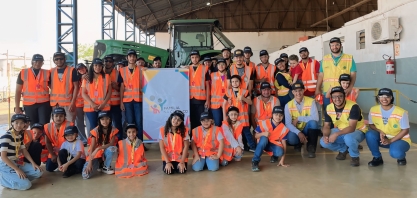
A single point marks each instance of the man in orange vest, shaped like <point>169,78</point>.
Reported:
<point>308,70</point>
<point>238,68</point>
<point>262,105</point>
<point>247,53</point>
<point>32,85</point>
<point>226,53</point>
<point>64,86</point>
<point>115,111</point>
<point>265,72</point>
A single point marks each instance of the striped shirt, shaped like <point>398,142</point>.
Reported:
<point>8,144</point>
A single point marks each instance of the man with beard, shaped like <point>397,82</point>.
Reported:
<point>238,68</point>
<point>265,72</point>
<point>262,105</point>
<point>308,70</point>
<point>226,54</point>
<point>332,66</point>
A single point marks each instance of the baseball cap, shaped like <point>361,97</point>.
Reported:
<point>59,110</point>
<point>221,60</point>
<point>59,54</point>
<point>337,89</point>
<point>278,60</point>
<point>283,55</point>
<point>263,52</point>
<point>248,50</point>
<point>97,61</point>
<point>121,63</point>
<point>37,57</point>
<point>385,91</point>
<point>131,126</point>
<point>278,109</point>
<point>265,85</point>
<point>303,49</point>
<point>206,59</point>
<point>194,52</point>
<point>69,130</point>
<point>335,39</point>
<point>344,77</point>
<point>18,117</point>
<point>37,126</point>
<point>205,115</point>
<point>238,52</point>
<point>297,85</point>
<point>132,51</point>
<point>233,108</point>
<point>103,114</point>
<point>79,65</point>
<point>179,114</point>
<point>108,56</point>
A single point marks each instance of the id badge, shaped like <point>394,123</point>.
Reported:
<point>38,87</point>
<point>96,93</point>
<point>223,91</point>
<point>173,157</point>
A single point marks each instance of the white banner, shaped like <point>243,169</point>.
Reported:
<point>164,91</point>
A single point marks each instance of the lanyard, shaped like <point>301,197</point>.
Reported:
<point>236,97</point>
<point>206,139</point>
<point>132,151</point>
<point>338,61</point>
<point>72,150</point>
<point>17,143</point>
<point>194,73</point>
<point>37,77</point>
<point>173,141</point>
<point>266,107</point>
<point>131,77</point>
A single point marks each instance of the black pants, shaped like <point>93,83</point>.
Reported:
<point>174,169</point>
<point>195,112</point>
<point>74,168</point>
<point>39,112</point>
<point>35,151</point>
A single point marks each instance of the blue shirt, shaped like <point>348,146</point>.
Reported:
<point>74,147</point>
<point>288,122</point>
<point>258,129</point>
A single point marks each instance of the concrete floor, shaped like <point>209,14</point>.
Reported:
<point>320,177</point>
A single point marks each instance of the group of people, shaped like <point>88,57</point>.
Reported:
<point>280,102</point>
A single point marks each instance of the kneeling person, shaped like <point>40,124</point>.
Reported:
<point>71,157</point>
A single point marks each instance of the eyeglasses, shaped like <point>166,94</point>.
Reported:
<point>337,97</point>
<point>58,59</point>
<point>384,97</point>
<point>109,61</point>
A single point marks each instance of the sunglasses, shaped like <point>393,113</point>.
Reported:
<point>58,59</point>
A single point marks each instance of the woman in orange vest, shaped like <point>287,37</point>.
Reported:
<point>344,81</point>
<point>102,143</point>
<point>232,131</point>
<point>271,135</point>
<point>218,89</point>
<point>79,104</point>
<point>283,82</point>
<point>173,143</point>
<point>96,92</point>
<point>207,144</point>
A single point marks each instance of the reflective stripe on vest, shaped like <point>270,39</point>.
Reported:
<point>61,90</point>
<point>282,90</point>
<point>309,76</point>
<point>343,121</point>
<point>79,102</point>
<point>133,92</point>
<point>305,111</point>
<point>115,95</point>
<point>212,148</point>
<point>227,149</point>
<point>267,73</point>
<point>176,154</point>
<point>218,89</point>
<point>331,72</point>
<point>244,83</point>
<point>277,134</point>
<point>124,167</point>
<point>198,82</point>
<point>242,106</point>
<point>33,92</point>
<point>262,113</point>
<point>56,136</point>
<point>27,137</point>
<point>101,93</point>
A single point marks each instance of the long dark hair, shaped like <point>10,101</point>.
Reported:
<point>91,73</point>
<point>229,122</point>
<point>168,126</point>
<point>81,75</point>
<point>101,133</point>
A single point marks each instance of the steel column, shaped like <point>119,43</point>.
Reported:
<point>107,20</point>
<point>130,27</point>
<point>66,25</point>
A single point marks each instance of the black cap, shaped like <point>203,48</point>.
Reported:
<point>221,60</point>
<point>297,85</point>
<point>103,114</point>
<point>37,57</point>
<point>131,51</point>
<point>206,59</point>
<point>303,49</point>
<point>121,63</point>
<point>206,115</point>
<point>385,91</point>
<point>232,108</point>
<point>97,61</point>
<point>278,60</point>
<point>28,118</point>
<point>141,58</point>
<point>18,117</point>
<point>263,52</point>
<point>179,114</point>
<point>194,52</point>
<point>226,48</point>
<point>37,126</point>
<point>335,39</point>
<point>337,89</point>
<point>238,52</point>
<point>59,110</point>
<point>214,58</point>
<point>265,85</point>
<point>131,126</point>
<point>247,49</point>
<point>283,55</point>
<point>69,130</point>
<point>79,65</point>
<point>278,109</point>
<point>59,54</point>
<point>108,56</point>
<point>344,77</point>
<point>157,59</point>
<point>236,76</point>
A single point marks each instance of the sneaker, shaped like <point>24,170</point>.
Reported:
<point>68,173</point>
<point>252,150</point>
<point>274,159</point>
<point>342,156</point>
<point>100,167</point>
<point>354,161</point>
<point>56,170</point>
<point>108,170</point>
<point>376,161</point>
<point>402,162</point>
<point>255,166</point>
<point>360,146</point>
<point>311,151</point>
<point>298,147</point>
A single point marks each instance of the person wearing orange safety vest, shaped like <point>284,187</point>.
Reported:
<point>265,72</point>
<point>174,141</point>
<point>282,82</point>
<point>207,143</point>
<point>226,54</point>
<point>344,81</point>
<point>349,124</point>
<point>218,89</point>
<point>308,70</point>
<point>64,86</point>
<point>131,161</point>
<point>389,128</point>
<point>332,66</point>
<point>245,72</point>
<point>115,111</point>
<point>32,86</point>
<point>80,117</point>
<point>34,148</point>
<point>247,53</point>
<point>271,135</point>
<point>232,132</point>
<point>39,137</point>
<point>54,133</point>
<point>262,105</point>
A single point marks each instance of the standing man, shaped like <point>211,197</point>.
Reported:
<point>157,62</point>
<point>332,66</point>
<point>227,53</point>
<point>32,85</point>
<point>247,52</point>
<point>115,111</point>
<point>263,104</point>
<point>302,120</point>
<point>349,124</point>
<point>238,68</point>
<point>64,86</point>
<point>309,71</point>
<point>265,72</point>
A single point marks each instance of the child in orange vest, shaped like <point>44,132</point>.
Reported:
<point>34,148</point>
<point>173,143</point>
<point>39,136</point>
<point>71,157</point>
<point>207,143</point>
<point>131,161</point>
<point>102,143</point>
<point>344,81</point>
<point>232,129</point>
<point>271,135</point>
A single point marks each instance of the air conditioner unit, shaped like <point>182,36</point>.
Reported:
<point>385,30</point>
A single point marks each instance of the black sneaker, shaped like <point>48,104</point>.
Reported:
<point>274,159</point>
<point>342,156</point>
<point>360,146</point>
<point>402,162</point>
<point>376,161</point>
<point>354,161</point>
<point>298,147</point>
<point>255,166</point>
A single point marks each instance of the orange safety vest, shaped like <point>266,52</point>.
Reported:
<point>251,65</point>
<point>218,89</point>
<point>309,76</point>
<point>264,110</point>
<point>79,102</point>
<point>61,89</point>
<point>94,133</point>
<point>198,82</point>
<point>174,145</point>
<point>237,131</point>
<point>268,74</point>
<point>132,84</point>
<point>130,164</point>
<point>242,106</point>
<point>228,150</point>
<point>56,136</point>
<point>209,145</point>
<point>97,91</point>
<point>115,95</point>
<point>28,137</point>
<point>35,89</point>
<point>276,135</point>
<point>245,78</point>
<point>350,96</point>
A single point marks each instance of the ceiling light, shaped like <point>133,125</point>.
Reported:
<point>208,3</point>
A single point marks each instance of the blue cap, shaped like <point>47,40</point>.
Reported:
<point>59,110</point>
<point>37,57</point>
<point>132,51</point>
<point>278,109</point>
<point>69,130</point>
<point>37,126</point>
<point>19,117</point>
<point>195,52</point>
<point>205,115</point>
<point>97,61</point>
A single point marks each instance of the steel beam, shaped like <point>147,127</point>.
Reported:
<point>130,27</point>
<point>66,32</point>
<point>107,20</point>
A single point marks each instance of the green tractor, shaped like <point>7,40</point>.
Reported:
<point>185,36</point>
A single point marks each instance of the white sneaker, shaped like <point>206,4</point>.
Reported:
<point>56,170</point>
<point>108,171</point>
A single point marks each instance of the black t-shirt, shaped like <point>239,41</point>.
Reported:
<point>19,80</point>
<point>75,77</point>
<point>354,114</point>
<point>227,98</point>
<point>119,77</point>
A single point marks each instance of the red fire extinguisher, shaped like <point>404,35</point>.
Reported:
<point>390,66</point>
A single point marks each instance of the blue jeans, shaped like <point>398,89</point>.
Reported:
<point>212,165</point>
<point>326,101</point>
<point>108,157</point>
<point>51,166</point>
<point>249,137</point>
<point>92,119</point>
<point>265,145</point>
<point>293,138</point>
<point>217,116</point>
<point>283,100</point>
<point>9,178</point>
<point>397,149</point>
<point>134,116</point>
<point>79,122</point>
<point>350,140</point>
<point>116,117</point>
